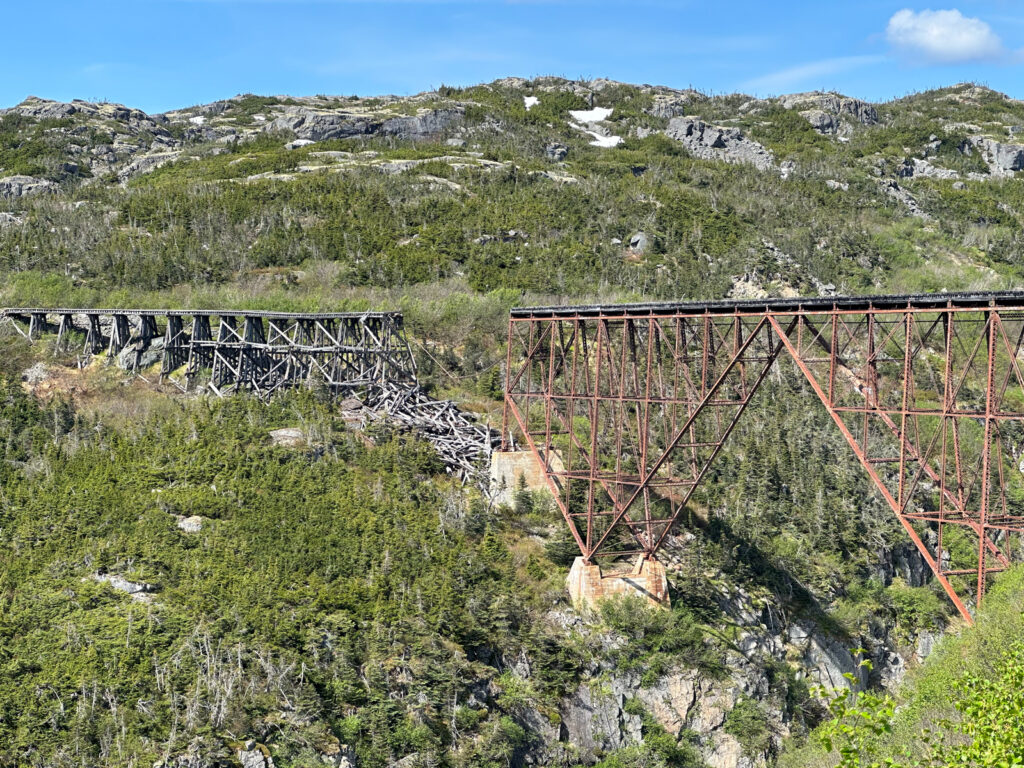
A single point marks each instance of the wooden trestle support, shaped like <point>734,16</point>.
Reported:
<point>351,354</point>
<point>626,408</point>
<point>257,351</point>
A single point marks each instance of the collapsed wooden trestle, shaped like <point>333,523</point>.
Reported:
<point>360,354</point>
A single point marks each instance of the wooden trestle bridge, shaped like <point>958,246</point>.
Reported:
<point>627,406</point>
<point>351,354</point>
<point>253,350</point>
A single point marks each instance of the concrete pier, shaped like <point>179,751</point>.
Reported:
<point>588,586</point>
<point>507,467</point>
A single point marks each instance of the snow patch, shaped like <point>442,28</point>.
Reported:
<point>595,115</point>
<point>599,140</point>
<point>197,120</point>
<point>530,101</point>
<point>590,116</point>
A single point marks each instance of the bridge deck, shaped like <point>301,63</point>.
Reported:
<point>924,301</point>
<point>269,314</point>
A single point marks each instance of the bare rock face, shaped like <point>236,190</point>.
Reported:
<point>669,105</point>
<point>826,111</point>
<point>711,142</point>
<point>23,186</point>
<point>827,660</point>
<point>821,121</point>
<point>1003,159</point>
<point>429,122</point>
<point>671,699</point>
<point>145,164</point>
<point>594,719</point>
<point>319,125</point>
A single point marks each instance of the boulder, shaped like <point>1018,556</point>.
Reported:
<point>667,106</point>
<point>137,590</point>
<point>638,242</point>
<point>23,186</point>
<point>821,121</point>
<point>192,524</point>
<point>36,374</point>
<point>897,193</point>
<point>255,756</point>
<point>556,152</point>
<point>141,354</point>
<point>290,437</point>
<point>343,757</point>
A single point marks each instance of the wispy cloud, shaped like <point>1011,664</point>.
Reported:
<point>942,37</point>
<point>804,74</point>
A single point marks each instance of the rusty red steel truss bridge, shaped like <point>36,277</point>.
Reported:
<point>627,406</point>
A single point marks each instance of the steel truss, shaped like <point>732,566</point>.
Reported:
<point>241,350</point>
<point>626,407</point>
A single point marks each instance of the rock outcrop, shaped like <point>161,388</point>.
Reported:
<point>900,195</point>
<point>711,142</point>
<point>321,125</point>
<point>827,112</point>
<point>145,164</point>
<point>1003,159</point>
<point>23,186</point>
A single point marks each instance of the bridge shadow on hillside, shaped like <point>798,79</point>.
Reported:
<point>747,563</point>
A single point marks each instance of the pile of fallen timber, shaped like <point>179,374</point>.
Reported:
<point>464,446</point>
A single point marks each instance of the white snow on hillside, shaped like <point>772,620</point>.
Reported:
<point>595,115</point>
<point>590,116</point>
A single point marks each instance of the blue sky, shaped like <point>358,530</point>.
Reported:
<point>162,54</point>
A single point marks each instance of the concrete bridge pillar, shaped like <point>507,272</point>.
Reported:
<point>509,467</point>
<point>646,579</point>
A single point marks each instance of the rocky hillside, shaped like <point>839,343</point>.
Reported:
<point>432,627</point>
<point>549,186</point>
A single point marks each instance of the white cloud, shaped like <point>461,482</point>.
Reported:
<point>802,74</point>
<point>944,37</point>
